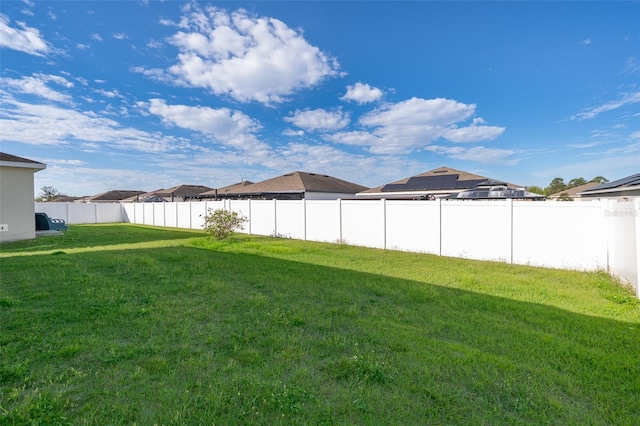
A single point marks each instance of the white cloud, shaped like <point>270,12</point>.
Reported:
<point>226,126</point>
<point>362,93</point>
<point>96,36</point>
<point>404,126</point>
<point>319,120</point>
<point>245,57</point>
<point>586,41</point>
<point>81,46</point>
<point>40,124</point>
<point>477,153</point>
<point>109,93</point>
<point>67,162</point>
<point>24,39</point>
<point>291,132</point>
<point>120,36</point>
<point>37,85</point>
<point>472,133</point>
<point>625,99</point>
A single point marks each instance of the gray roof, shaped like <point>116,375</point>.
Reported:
<point>299,182</point>
<point>440,179</point>
<point>114,195</point>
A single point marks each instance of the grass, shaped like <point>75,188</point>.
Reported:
<point>123,324</point>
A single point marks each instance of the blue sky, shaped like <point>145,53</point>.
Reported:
<point>147,95</point>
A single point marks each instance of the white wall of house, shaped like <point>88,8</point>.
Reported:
<point>598,235</point>
<point>17,214</point>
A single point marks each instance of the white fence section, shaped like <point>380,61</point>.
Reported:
<point>585,235</point>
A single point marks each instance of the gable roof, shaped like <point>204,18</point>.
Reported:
<point>182,190</point>
<point>573,192</point>
<point>442,180</point>
<point>114,195</point>
<point>9,160</point>
<point>299,182</point>
<point>229,189</point>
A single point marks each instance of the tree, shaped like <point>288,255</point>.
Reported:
<point>564,197</point>
<point>556,185</point>
<point>48,193</point>
<point>599,179</point>
<point>576,182</point>
<point>535,189</point>
<point>221,224</point>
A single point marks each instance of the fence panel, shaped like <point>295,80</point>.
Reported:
<point>476,229</point>
<point>148,212</point>
<point>183,215</point>
<point>290,219</point>
<point>560,234</point>
<point>363,223</point>
<point>198,212</point>
<point>263,217</point>
<point>624,224</point>
<point>323,220</point>
<point>413,226</point>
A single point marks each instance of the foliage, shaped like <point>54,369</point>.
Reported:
<point>564,197</point>
<point>558,185</point>
<point>221,224</point>
<point>536,189</point>
<point>576,182</point>
<point>140,325</point>
<point>48,193</point>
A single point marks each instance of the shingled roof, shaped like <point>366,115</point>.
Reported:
<point>113,196</point>
<point>443,180</point>
<point>301,182</point>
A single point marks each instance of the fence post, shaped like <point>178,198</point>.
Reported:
<point>340,219</point>
<point>439,207</point>
<point>510,213</point>
<point>636,215</point>
<point>275,218</point>
<point>249,216</point>
<point>304,218</point>
<point>384,223</point>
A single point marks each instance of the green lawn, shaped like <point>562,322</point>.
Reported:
<point>124,324</point>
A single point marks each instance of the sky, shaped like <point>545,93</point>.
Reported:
<point>144,95</point>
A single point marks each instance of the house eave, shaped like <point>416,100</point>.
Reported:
<point>36,166</point>
<point>605,191</point>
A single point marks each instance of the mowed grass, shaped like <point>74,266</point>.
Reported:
<point>123,324</point>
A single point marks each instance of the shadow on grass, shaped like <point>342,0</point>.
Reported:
<point>185,335</point>
<point>84,236</point>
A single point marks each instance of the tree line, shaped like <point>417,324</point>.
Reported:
<point>558,185</point>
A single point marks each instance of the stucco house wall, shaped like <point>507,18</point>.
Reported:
<point>17,210</point>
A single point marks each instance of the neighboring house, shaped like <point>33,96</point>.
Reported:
<point>299,185</point>
<point>176,193</point>
<point>226,192</point>
<point>17,208</point>
<point>621,189</point>
<point>433,184</point>
<point>571,194</point>
<point>114,196</point>
<point>68,199</point>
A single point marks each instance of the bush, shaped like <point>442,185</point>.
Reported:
<point>221,224</point>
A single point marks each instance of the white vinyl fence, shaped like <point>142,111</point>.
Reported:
<point>580,235</point>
